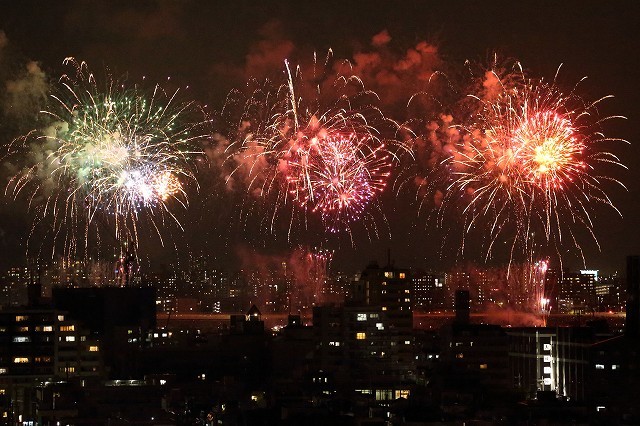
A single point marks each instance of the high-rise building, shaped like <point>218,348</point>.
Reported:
<point>39,345</point>
<point>391,289</point>
<point>632,324</point>
<point>576,291</point>
<point>429,291</point>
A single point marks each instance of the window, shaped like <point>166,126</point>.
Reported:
<point>21,339</point>
<point>47,328</point>
<point>483,366</point>
<point>3,371</point>
<point>547,370</point>
<point>547,381</point>
<point>407,342</point>
<point>388,274</point>
<point>20,360</point>
<point>402,393</point>
<point>599,367</point>
<point>459,356</point>
<point>334,343</point>
<point>21,318</point>
<point>379,326</point>
<point>60,317</point>
<point>93,349</point>
<point>384,308</point>
<point>547,358</point>
<point>402,275</point>
<point>361,335</point>
<point>546,347</point>
<point>383,395</point>
<point>615,367</point>
<point>407,300</point>
<point>361,317</point>
<point>373,315</point>
<point>24,328</point>
<point>67,369</point>
<point>407,291</point>
<point>67,328</point>
<point>70,338</point>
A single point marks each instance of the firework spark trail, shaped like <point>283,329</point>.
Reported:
<point>321,153</point>
<point>530,162</point>
<point>112,156</point>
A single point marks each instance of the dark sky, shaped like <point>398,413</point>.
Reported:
<point>213,46</point>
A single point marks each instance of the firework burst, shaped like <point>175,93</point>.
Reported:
<point>316,146</point>
<point>531,162</point>
<point>111,156</point>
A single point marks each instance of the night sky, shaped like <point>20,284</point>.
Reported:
<point>216,46</point>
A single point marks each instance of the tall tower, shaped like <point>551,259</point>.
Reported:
<point>632,323</point>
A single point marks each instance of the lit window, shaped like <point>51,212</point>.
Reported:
<point>407,291</point>
<point>67,328</point>
<point>93,349</point>
<point>42,359</point>
<point>615,367</point>
<point>547,381</point>
<point>361,336</point>
<point>3,371</point>
<point>21,339</point>
<point>407,342</point>
<point>403,393</point>
<point>379,326</point>
<point>361,317</point>
<point>67,369</point>
<point>47,328</point>
<point>60,317</point>
<point>388,274</point>
<point>599,367</point>
<point>383,394</point>
<point>25,328</point>
<point>373,315</point>
<point>334,343</point>
<point>20,360</point>
<point>483,366</point>
<point>402,275</point>
<point>547,358</point>
<point>2,391</point>
<point>547,370</point>
<point>21,318</point>
<point>459,356</point>
<point>384,308</point>
<point>407,300</point>
<point>546,347</point>
<point>70,338</point>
